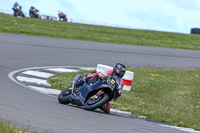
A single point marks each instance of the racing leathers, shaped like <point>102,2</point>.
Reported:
<point>16,5</point>
<point>31,11</point>
<point>63,16</point>
<point>16,8</point>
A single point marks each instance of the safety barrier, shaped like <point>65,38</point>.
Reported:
<point>128,77</point>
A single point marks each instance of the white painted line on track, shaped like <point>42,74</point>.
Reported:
<point>33,80</point>
<point>118,111</point>
<point>38,74</point>
<point>62,70</point>
<point>88,68</point>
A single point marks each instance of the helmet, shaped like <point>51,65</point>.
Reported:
<point>119,70</point>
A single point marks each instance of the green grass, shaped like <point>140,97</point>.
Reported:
<point>167,95</point>
<point>48,28</point>
<point>7,128</point>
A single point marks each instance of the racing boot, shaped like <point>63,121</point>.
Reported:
<point>106,107</point>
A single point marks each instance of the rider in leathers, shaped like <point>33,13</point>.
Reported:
<point>61,15</point>
<point>16,8</point>
<point>118,72</point>
<point>16,5</point>
<point>31,11</point>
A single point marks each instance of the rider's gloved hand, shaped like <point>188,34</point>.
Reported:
<point>81,82</point>
<point>84,79</point>
<point>101,76</point>
<point>78,83</point>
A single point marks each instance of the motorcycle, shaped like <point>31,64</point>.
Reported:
<point>34,13</point>
<point>92,95</point>
<point>18,12</point>
<point>62,16</point>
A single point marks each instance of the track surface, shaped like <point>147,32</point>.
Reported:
<point>42,113</point>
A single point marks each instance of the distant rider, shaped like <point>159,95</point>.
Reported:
<point>17,10</point>
<point>16,5</point>
<point>31,11</point>
<point>118,72</point>
<point>62,16</point>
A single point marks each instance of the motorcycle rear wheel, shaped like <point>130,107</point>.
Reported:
<point>64,96</point>
<point>92,104</point>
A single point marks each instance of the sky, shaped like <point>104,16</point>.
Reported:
<point>177,16</point>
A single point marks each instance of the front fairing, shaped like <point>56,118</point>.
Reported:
<point>80,95</point>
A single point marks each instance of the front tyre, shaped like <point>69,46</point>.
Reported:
<point>64,96</point>
<point>96,102</point>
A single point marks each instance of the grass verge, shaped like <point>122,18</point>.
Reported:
<point>48,28</point>
<point>167,95</point>
<point>6,128</point>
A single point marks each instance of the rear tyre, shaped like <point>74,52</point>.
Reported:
<point>64,96</point>
<point>92,103</point>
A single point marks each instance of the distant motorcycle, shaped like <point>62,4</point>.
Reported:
<point>18,12</point>
<point>92,95</point>
<point>62,16</point>
<point>34,13</point>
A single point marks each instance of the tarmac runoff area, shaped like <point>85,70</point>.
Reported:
<point>36,79</point>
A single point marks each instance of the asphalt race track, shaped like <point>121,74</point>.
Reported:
<point>42,113</point>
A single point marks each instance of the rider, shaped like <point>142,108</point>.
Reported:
<point>31,11</point>
<point>118,72</point>
<point>16,5</point>
<point>61,15</point>
<point>16,8</point>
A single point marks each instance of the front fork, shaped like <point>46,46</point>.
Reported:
<point>73,86</point>
<point>100,92</point>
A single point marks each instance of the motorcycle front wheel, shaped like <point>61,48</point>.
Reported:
<point>64,96</point>
<point>96,102</point>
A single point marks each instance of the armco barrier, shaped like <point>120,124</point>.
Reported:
<point>128,77</point>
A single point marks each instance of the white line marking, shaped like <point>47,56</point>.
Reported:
<point>62,70</point>
<point>69,70</point>
<point>38,74</point>
<point>33,80</point>
<point>118,111</point>
<point>88,68</point>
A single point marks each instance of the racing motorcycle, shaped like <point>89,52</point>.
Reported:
<point>34,13</point>
<point>92,95</point>
<point>18,12</point>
